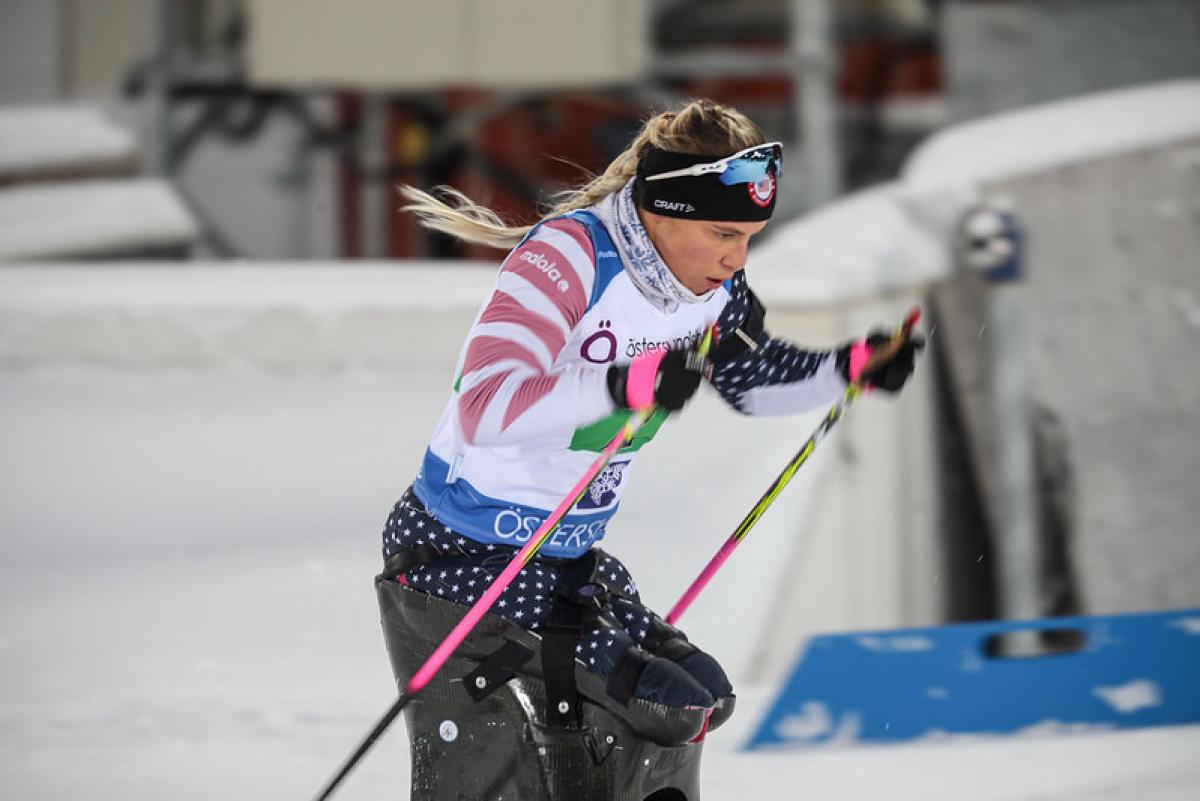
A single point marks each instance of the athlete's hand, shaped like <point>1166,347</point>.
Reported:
<point>667,378</point>
<point>890,375</point>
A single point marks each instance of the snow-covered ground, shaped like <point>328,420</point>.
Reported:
<point>186,607</point>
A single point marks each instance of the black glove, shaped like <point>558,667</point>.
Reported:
<point>888,376</point>
<point>668,379</point>
<point>731,344</point>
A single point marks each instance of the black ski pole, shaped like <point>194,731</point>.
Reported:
<point>384,722</point>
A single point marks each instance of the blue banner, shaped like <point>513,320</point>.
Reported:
<point>1116,671</point>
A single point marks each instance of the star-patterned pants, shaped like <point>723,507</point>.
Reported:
<point>467,568</point>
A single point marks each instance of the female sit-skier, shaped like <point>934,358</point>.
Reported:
<point>598,310</point>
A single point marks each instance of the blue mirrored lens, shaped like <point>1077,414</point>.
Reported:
<point>744,172</point>
<point>752,167</point>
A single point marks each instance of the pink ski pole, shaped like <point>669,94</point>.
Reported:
<point>460,631</point>
<point>438,658</point>
<point>852,392</point>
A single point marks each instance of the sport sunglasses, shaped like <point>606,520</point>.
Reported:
<point>747,166</point>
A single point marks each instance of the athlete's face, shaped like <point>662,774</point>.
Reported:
<point>701,253</point>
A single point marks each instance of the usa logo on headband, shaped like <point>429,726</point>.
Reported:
<point>763,191</point>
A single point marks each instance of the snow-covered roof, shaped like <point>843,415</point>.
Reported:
<point>57,139</point>
<point>91,218</point>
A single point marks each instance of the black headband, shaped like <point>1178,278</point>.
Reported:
<point>699,197</point>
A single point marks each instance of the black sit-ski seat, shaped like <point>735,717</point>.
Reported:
<point>483,729</point>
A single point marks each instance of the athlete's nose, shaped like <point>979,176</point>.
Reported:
<point>737,259</point>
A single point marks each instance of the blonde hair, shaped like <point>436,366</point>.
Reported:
<point>701,127</point>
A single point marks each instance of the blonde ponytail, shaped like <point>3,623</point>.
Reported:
<point>700,127</point>
<point>462,218</point>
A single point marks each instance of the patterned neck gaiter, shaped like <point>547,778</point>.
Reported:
<point>646,268</point>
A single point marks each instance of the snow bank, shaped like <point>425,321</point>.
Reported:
<point>278,316</point>
<point>1051,135</point>
<point>898,235</point>
<point>864,244</point>
<point>58,139</point>
<point>92,218</point>
<point>950,169</point>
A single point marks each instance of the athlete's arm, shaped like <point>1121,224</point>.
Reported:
<point>508,390</point>
<point>760,375</point>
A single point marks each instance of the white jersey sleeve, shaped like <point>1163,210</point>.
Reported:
<point>511,389</point>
